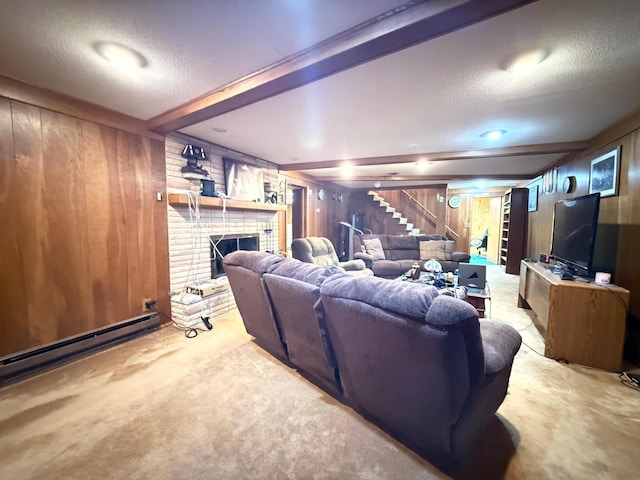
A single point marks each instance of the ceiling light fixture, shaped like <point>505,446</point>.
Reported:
<point>493,134</point>
<point>526,61</point>
<point>219,129</point>
<point>346,170</point>
<point>120,55</point>
<point>377,184</point>
<point>421,164</point>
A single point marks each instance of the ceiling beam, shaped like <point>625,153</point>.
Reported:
<point>409,178</point>
<point>517,151</point>
<point>407,25</point>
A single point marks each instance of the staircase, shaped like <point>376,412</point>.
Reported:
<point>394,214</point>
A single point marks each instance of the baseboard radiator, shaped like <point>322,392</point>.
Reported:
<point>27,362</point>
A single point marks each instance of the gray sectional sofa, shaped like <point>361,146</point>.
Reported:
<point>420,365</point>
<point>402,251</point>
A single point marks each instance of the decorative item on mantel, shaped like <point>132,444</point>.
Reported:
<point>193,170</point>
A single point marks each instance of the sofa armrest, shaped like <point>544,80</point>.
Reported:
<point>500,343</point>
<point>460,257</point>
<point>353,265</point>
<point>365,257</point>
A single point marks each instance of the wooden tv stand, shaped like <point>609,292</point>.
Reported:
<point>583,322</point>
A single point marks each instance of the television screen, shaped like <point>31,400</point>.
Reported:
<point>574,231</point>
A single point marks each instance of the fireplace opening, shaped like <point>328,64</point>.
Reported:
<point>221,245</point>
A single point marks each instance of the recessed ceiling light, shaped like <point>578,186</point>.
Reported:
<point>346,170</point>
<point>493,134</point>
<point>526,61</point>
<point>219,129</point>
<point>377,184</point>
<point>120,55</point>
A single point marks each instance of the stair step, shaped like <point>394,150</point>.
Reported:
<point>390,209</point>
<point>402,220</point>
<point>384,204</point>
<point>415,231</point>
<point>409,226</point>
<point>396,215</point>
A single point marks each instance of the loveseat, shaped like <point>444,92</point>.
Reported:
<point>395,254</point>
<point>420,365</point>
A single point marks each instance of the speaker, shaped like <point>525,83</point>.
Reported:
<point>209,188</point>
<point>544,258</point>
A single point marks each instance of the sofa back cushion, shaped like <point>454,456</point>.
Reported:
<point>403,247</point>
<point>245,270</point>
<point>294,289</point>
<point>396,361</point>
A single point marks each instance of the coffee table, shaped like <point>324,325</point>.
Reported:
<point>476,298</point>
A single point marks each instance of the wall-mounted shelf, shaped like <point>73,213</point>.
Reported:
<point>211,202</point>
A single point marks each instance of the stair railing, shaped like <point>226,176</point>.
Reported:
<point>433,216</point>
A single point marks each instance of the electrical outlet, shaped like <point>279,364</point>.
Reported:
<point>144,303</point>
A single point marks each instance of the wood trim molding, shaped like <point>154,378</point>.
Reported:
<point>409,178</point>
<point>409,24</point>
<point>521,150</point>
<point>181,199</point>
<point>57,102</point>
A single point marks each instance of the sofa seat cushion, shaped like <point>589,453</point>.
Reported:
<point>391,268</point>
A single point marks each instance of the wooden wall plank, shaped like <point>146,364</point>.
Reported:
<point>98,148</point>
<point>14,326</point>
<point>33,229</point>
<point>126,158</point>
<point>159,229</point>
<point>66,216</point>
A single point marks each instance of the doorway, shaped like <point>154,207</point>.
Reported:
<point>485,229</point>
<point>296,221</point>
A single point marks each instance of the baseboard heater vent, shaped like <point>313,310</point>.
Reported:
<point>17,365</point>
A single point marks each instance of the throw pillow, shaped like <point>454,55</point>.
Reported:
<point>374,248</point>
<point>449,248</point>
<point>432,249</point>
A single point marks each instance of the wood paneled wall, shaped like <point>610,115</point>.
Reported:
<point>621,211</point>
<point>83,239</point>
<point>322,217</point>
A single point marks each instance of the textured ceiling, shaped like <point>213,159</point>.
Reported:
<point>437,96</point>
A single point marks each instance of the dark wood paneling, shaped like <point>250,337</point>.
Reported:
<point>63,203</point>
<point>85,239</point>
<point>622,211</point>
<point>13,294</point>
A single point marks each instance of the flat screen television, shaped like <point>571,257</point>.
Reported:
<point>575,224</point>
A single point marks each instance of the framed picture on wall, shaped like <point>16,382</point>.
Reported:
<point>605,173</point>
<point>533,198</point>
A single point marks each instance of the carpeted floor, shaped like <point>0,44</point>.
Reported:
<point>218,407</point>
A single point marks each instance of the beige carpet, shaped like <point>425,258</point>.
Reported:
<point>218,407</point>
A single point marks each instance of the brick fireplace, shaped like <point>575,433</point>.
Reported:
<point>191,238</point>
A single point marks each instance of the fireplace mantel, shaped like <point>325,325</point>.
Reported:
<point>210,202</point>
